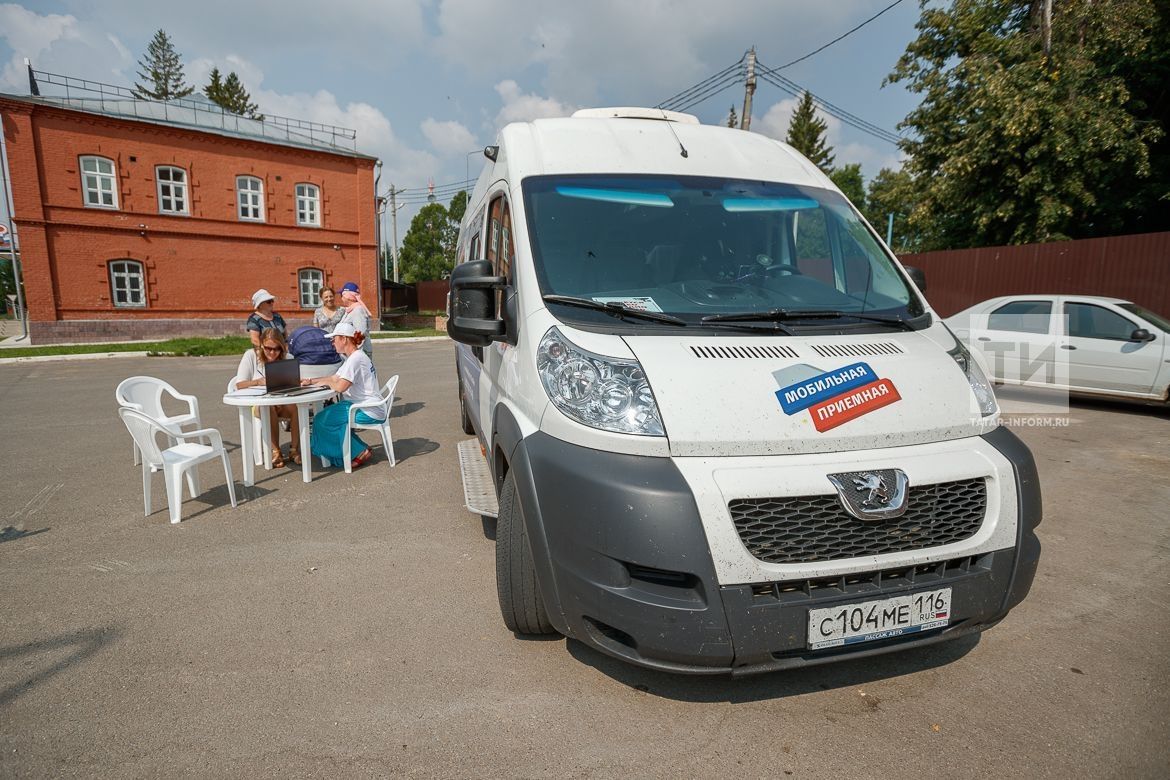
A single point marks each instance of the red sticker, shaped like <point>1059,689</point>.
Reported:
<point>863,400</point>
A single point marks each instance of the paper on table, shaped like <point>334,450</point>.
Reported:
<point>248,391</point>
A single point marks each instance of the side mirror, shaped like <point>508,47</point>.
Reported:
<point>1141,335</point>
<point>917,276</point>
<point>472,317</point>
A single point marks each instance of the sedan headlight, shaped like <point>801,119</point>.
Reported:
<point>980,387</point>
<point>602,392</point>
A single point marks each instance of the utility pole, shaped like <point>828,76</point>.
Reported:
<point>749,88</point>
<point>394,227</point>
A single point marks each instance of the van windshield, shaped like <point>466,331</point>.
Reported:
<point>694,247</point>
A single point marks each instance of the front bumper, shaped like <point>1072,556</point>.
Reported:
<point>624,565</point>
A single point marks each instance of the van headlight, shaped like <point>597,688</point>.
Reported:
<point>980,387</point>
<point>602,392</point>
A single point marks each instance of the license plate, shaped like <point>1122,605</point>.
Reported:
<point>867,621</point>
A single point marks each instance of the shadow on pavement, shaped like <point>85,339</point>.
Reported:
<point>404,449</point>
<point>401,410</point>
<point>84,643</point>
<point>776,685</point>
<point>12,533</point>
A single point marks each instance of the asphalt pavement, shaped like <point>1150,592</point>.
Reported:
<point>349,627</point>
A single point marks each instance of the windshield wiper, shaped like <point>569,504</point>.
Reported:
<point>615,308</point>
<point>788,315</point>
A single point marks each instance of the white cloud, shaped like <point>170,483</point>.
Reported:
<point>524,107</point>
<point>448,138</point>
<point>57,43</point>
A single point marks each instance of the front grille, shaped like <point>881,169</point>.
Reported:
<point>804,529</point>
<point>765,351</point>
<point>857,350</point>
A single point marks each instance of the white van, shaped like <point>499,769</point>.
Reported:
<point>726,431</point>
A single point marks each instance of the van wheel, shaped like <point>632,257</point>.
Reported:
<point>464,417</point>
<point>520,600</point>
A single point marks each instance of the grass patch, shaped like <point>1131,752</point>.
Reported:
<point>185,347</point>
<point>228,345</point>
<point>401,334</point>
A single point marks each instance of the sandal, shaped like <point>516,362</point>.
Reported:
<point>360,459</point>
<point>277,459</point>
<point>295,456</point>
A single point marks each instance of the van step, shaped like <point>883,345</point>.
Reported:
<point>479,491</point>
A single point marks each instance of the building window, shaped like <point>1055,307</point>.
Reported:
<point>311,280</point>
<point>127,284</point>
<point>250,198</point>
<point>172,189</point>
<point>309,205</point>
<point>99,183</point>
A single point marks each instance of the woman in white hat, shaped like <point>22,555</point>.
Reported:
<point>357,381</point>
<point>263,317</point>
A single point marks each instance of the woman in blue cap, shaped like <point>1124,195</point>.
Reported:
<point>358,314</point>
<point>357,382</point>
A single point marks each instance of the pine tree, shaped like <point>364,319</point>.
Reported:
<point>162,71</point>
<point>732,118</point>
<point>230,94</point>
<point>806,134</point>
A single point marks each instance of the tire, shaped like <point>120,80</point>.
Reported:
<point>520,601</point>
<point>464,417</point>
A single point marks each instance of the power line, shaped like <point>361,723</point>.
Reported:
<point>686,93</point>
<point>839,37</point>
<point>710,92</point>
<point>796,90</point>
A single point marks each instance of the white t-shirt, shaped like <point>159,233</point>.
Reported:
<point>358,369</point>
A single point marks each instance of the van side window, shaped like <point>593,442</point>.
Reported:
<point>500,247</point>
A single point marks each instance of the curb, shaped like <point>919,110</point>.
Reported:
<point>54,358</point>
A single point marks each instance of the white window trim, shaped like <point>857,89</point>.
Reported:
<point>141,274</point>
<point>259,195</point>
<point>315,200</point>
<point>113,178</point>
<point>186,192</point>
<point>301,278</point>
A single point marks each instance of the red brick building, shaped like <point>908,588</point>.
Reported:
<point>140,219</point>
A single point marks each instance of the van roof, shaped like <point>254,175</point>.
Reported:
<point>598,142</point>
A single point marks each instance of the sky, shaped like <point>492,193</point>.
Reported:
<point>427,83</point>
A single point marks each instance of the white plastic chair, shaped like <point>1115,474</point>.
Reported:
<point>176,461</point>
<point>382,427</point>
<point>144,394</point>
<point>257,431</point>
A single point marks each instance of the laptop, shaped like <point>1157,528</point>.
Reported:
<point>283,377</point>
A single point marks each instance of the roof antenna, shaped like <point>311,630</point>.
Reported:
<point>682,150</point>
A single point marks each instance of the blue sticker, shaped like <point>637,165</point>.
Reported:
<point>809,392</point>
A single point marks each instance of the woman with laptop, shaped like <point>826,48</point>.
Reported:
<point>251,373</point>
<point>357,382</point>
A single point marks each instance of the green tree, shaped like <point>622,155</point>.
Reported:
<point>230,94</point>
<point>732,118</point>
<point>161,71</point>
<point>806,134</point>
<point>425,254</point>
<point>893,192</point>
<point>848,180</point>
<point>1029,132</point>
<point>455,211</point>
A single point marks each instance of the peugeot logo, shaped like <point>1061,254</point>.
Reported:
<point>871,496</point>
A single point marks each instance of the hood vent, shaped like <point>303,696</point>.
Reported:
<point>857,350</point>
<point>765,352</point>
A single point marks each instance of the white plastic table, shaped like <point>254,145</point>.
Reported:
<point>244,404</point>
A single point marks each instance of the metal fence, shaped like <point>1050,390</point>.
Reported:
<point>1136,268</point>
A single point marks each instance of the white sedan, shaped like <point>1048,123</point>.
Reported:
<point>1079,343</point>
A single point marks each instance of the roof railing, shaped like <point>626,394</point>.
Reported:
<point>122,101</point>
